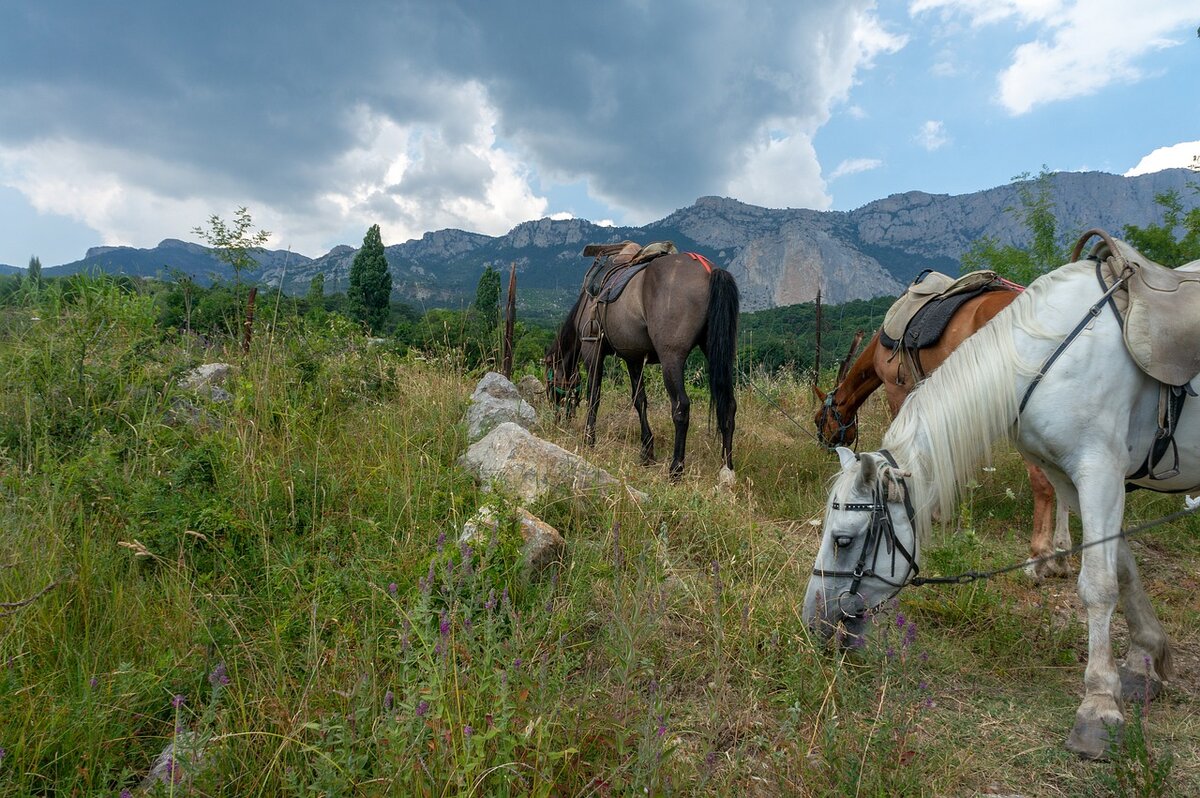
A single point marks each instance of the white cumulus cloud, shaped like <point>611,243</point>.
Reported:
<point>1185,155</point>
<point>852,166</point>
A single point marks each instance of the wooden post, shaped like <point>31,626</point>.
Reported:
<point>510,317</point>
<point>248,324</point>
<point>817,355</point>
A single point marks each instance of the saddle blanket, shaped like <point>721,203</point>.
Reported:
<point>926,327</point>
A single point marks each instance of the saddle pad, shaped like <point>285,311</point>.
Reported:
<point>926,327</point>
<point>928,286</point>
<point>616,280</point>
<point>609,257</point>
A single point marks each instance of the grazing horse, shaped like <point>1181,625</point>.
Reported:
<point>837,415</point>
<point>1076,371</point>
<point>676,303</point>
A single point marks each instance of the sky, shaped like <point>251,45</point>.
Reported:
<point>126,123</point>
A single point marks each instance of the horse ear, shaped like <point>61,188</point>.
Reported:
<point>847,457</point>
<point>817,391</point>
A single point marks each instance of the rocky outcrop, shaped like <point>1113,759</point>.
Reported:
<point>530,468</point>
<point>495,401</point>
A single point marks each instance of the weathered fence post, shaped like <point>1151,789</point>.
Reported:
<point>510,316</point>
<point>248,324</point>
<point>817,355</point>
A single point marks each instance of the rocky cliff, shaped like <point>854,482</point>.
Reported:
<point>779,257</point>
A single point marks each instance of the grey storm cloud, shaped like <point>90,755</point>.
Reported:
<point>654,103</point>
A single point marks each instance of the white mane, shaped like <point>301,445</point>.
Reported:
<point>946,427</point>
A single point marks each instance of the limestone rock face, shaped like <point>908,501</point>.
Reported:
<point>495,401</point>
<point>530,468</point>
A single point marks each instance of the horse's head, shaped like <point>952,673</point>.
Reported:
<point>833,428</point>
<point>868,547</point>
<point>562,381</point>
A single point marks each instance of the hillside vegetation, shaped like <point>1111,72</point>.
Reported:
<point>275,585</point>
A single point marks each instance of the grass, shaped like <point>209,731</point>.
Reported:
<point>290,567</point>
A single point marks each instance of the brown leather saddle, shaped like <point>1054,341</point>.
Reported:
<point>930,286</point>
<point>1159,308</point>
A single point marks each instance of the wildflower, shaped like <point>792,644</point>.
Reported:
<point>218,678</point>
<point>179,700</point>
<point>662,727</point>
<point>2,753</point>
<point>125,794</point>
<point>392,588</point>
<point>900,620</point>
<point>94,683</point>
<point>468,731</point>
<point>443,624</point>
<point>388,699</point>
<point>441,542</point>
<point>422,709</point>
<point>517,664</point>
<point>910,634</point>
<point>490,604</point>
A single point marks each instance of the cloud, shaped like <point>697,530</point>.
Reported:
<point>1185,155</point>
<point>932,135</point>
<point>1078,47</point>
<point>853,166</point>
<point>417,115</point>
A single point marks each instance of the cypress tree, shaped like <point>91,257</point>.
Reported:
<point>370,282</point>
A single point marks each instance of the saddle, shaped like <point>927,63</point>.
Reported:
<point>926,293</point>
<point>616,264</point>
<point>1159,308</point>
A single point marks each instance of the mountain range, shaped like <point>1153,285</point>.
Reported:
<point>779,256</point>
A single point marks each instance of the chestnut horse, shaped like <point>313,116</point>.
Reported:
<point>677,303</point>
<point>837,423</point>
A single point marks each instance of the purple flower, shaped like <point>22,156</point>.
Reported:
<point>517,664</point>
<point>900,620</point>
<point>441,542</point>
<point>662,727</point>
<point>392,588</point>
<point>490,604</point>
<point>910,634</point>
<point>422,709</point>
<point>178,701</point>
<point>125,794</point>
<point>2,753</point>
<point>468,731</point>
<point>388,699</point>
<point>443,624</point>
<point>218,677</point>
<point>94,683</point>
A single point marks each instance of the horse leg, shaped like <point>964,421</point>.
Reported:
<point>1148,661</point>
<point>638,387</point>
<point>1045,534</point>
<point>1099,719</point>
<point>595,365</point>
<point>680,411</point>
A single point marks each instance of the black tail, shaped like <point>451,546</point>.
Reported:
<point>721,347</point>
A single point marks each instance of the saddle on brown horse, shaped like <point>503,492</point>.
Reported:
<point>616,264</point>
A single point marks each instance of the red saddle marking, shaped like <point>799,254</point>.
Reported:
<point>703,261</point>
<point>1010,284</point>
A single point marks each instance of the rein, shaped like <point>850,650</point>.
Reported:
<point>973,576</point>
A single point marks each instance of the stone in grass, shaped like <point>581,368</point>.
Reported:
<point>541,543</point>
<point>177,763</point>
<point>207,380</point>
<point>529,468</point>
<point>495,401</point>
<point>532,389</point>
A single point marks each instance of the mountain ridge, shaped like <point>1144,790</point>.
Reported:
<point>779,256</point>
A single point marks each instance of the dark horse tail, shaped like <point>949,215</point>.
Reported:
<point>721,348</point>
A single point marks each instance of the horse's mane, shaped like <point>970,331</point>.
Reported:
<point>566,345</point>
<point>946,427</point>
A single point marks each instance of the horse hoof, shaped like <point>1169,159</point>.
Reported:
<point>1140,688</point>
<point>1092,738</point>
<point>1056,568</point>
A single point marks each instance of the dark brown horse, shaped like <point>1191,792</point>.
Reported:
<point>837,423</point>
<point>676,303</point>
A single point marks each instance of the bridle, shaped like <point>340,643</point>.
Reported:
<point>828,408</point>
<point>561,388</point>
<point>881,531</point>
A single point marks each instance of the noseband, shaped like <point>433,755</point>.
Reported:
<point>828,408</point>
<point>560,388</point>
<point>881,531</point>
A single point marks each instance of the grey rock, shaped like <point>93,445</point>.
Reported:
<point>542,544</point>
<point>495,401</point>
<point>529,468</point>
<point>532,389</point>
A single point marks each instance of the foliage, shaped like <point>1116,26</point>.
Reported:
<point>234,242</point>
<point>370,282</point>
<point>487,298</point>
<point>316,290</point>
<point>279,580</point>
<point>35,272</point>
<point>786,337</point>
<point>1044,252</point>
<point>1159,242</point>
<point>1137,772</point>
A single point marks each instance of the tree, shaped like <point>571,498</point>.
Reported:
<point>487,298</point>
<point>1044,253</point>
<point>235,242</point>
<point>370,282</point>
<point>35,272</point>
<point>316,292</point>
<point>1158,242</point>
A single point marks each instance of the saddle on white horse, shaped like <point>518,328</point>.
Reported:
<point>1159,308</point>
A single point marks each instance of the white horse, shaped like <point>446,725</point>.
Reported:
<point>1089,422</point>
